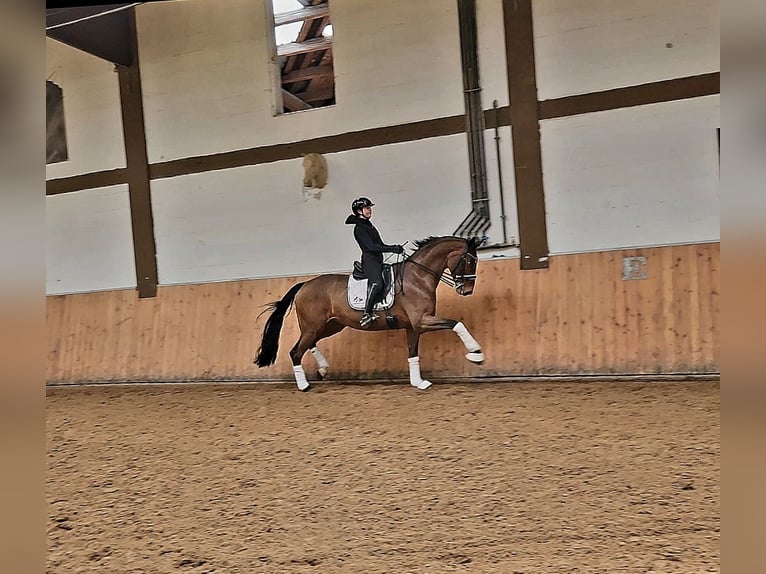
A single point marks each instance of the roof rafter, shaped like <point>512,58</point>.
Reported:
<point>312,45</point>
<point>307,73</point>
<point>308,13</point>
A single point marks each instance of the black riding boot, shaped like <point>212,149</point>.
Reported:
<point>373,292</point>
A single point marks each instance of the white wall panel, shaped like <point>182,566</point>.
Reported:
<point>633,177</point>
<point>89,241</point>
<point>493,70</point>
<point>591,45</point>
<point>207,89</point>
<point>92,114</point>
<point>254,222</point>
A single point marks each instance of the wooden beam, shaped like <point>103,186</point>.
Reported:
<point>295,48</point>
<point>293,103</point>
<point>137,170</point>
<point>330,144</point>
<point>86,181</point>
<point>308,13</point>
<point>640,95</point>
<point>527,155</point>
<point>317,95</point>
<point>306,74</point>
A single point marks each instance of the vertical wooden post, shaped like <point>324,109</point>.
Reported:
<point>525,130</point>
<point>139,187</point>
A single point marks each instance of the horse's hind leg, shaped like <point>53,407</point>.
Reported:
<point>331,328</point>
<point>307,341</point>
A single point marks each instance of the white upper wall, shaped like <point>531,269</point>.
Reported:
<point>633,177</point>
<point>207,85</point>
<point>89,241</point>
<point>592,45</point>
<point>254,222</point>
<point>92,115</point>
<point>493,71</point>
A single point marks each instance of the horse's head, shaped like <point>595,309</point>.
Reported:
<point>462,267</point>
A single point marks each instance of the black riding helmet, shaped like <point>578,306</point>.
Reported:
<point>359,203</point>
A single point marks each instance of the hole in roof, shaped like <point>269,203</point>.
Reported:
<point>289,32</point>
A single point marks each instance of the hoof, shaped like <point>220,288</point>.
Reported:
<point>422,385</point>
<point>304,388</point>
<point>475,357</point>
<point>321,374</point>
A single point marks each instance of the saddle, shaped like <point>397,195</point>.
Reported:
<point>357,288</point>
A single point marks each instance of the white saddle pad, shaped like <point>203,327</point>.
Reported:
<point>357,294</point>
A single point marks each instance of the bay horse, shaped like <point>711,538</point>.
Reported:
<point>323,310</point>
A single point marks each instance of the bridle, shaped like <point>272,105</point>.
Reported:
<point>455,280</point>
<point>459,278</point>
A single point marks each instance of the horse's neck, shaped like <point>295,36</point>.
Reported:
<point>434,256</point>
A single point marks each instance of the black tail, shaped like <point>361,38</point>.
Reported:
<point>267,353</point>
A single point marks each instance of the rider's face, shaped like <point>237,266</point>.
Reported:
<point>367,212</point>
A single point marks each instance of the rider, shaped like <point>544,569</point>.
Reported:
<point>373,248</point>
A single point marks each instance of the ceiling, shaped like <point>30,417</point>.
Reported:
<point>102,30</point>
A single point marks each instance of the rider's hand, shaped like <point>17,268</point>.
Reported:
<point>398,249</point>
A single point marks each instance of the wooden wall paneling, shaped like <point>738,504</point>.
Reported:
<point>54,326</point>
<point>669,323</point>
<point>560,268</point>
<point>653,314</point>
<point>140,345</point>
<point>621,343</point>
<point>579,317</point>
<point>706,303</point>
<point>496,304</point>
<point>607,332</point>
<point>695,343</point>
<point>632,361</point>
<point>715,302</point>
<point>633,293</point>
<point>681,308</point>
<point>545,317</point>
<point>572,314</point>
<point>522,333</point>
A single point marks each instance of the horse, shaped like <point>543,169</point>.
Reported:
<point>323,310</point>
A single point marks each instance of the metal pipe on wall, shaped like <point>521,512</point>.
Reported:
<point>474,112</point>
<point>499,171</point>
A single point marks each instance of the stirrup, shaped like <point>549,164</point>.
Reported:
<point>367,318</point>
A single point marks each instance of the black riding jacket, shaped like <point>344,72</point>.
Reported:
<point>369,240</point>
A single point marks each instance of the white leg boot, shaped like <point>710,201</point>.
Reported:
<point>321,361</point>
<point>300,378</point>
<point>415,379</point>
<point>474,349</point>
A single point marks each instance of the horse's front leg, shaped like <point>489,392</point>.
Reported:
<point>433,323</point>
<point>416,380</point>
<point>322,364</point>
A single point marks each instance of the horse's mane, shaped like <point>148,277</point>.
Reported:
<point>425,241</point>
<point>432,239</point>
